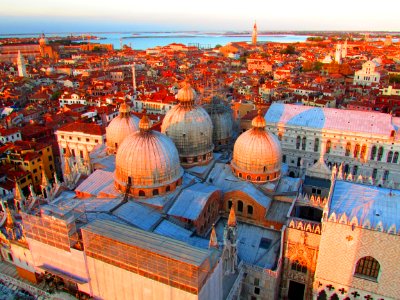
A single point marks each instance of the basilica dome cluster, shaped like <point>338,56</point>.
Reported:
<point>149,163</point>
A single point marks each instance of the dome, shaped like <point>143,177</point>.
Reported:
<point>190,127</point>
<point>148,160</point>
<point>257,154</point>
<point>221,118</point>
<point>120,127</point>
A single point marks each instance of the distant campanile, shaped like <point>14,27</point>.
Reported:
<point>254,35</point>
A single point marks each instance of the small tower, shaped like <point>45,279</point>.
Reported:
<point>254,34</point>
<point>230,250</point>
<point>21,65</point>
<point>338,53</point>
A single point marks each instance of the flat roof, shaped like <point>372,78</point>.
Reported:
<point>146,240</point>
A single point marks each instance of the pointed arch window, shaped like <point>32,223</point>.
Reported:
<point>348,149</point>
<point>298,140</point>
<point>240,206</point>
<point>328,146</point>
<point>316,145</point>
<point>303,143</point>
<point>389,157</point>
<point>356,150</point>
<point>380,153</point>
<point>363,151</point>
<point>395,157</point>
<point>299,267</point>
<point>373,152</point>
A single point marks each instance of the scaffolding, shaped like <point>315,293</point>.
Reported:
<point>150,255</point>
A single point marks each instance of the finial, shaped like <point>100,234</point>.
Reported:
<point>124,109</point>
<point>144,123</point>
<point>259,121</point>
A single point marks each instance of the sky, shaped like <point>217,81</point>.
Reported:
<point>36,16</point>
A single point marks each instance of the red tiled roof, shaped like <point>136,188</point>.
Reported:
<point>88,128</point>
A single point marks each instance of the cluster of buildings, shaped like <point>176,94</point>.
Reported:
<point>181,173</point>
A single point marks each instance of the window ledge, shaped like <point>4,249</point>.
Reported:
<point>372,279</point>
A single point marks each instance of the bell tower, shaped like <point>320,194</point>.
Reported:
<point>254,34</point>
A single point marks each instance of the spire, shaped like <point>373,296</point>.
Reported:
<point>18,194</point>
<point>57,182</point>
<point>45,180</point>
<point>254,34</point>
<point>33,194</point>
<point>67,167</point>
<point>9,224</point>
<point>232,218</point>
<point>213,239</point>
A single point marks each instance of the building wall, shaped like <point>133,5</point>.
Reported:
<point>342,246</point>
<point>299,159</point>
<point>78,141</point>
<point>111,282</point>
<point>300,245</point>
<point>71,262</point>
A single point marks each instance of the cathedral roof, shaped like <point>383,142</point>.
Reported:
<point>366,206</point>
<point>330,118</point>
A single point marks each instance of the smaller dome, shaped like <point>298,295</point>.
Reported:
<point>120,127</point>
<point>257,154</point>
<point>186,94</point>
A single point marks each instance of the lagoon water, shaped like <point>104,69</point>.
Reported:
<point>144,40</point>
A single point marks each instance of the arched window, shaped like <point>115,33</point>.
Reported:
<point>322,295</point>
<point>348,149</point>
<point>346,169</point>
<point>316,145</point>
<point>240,206</point>
<point>368,267</point>
<point>303,143</point>
<point>395,157</point>
<point>373,152</point>
<point>248,177</point>
<point>380,153</point>
<point>167,189</point>
<point>141,193</point>
<point>298,139</point>
<point>229,204</point>
<point>258,178</point>
<point>328,146</point>
<point>374,173</point>
<point>334,297</point>
<point>240,175</point>
<point>389,157</point>
<point>249,210</point>
<point>299,267</point>
<point>363,151</point>
<point>356,150</point>
<point>155,192</point>
<point>386,175</point>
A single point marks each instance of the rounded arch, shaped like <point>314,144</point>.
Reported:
<point>142,193</point>
<point>367,266</point>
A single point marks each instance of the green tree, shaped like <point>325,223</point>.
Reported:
<point>55,95</point>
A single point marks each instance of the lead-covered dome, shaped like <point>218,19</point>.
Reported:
<point>147,161</point>
<point>257,154</point>
<point>222,120</point>
<point>190,127</point>
<point>120,127</point>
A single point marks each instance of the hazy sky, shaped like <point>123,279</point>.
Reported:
<point>31,16</point>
